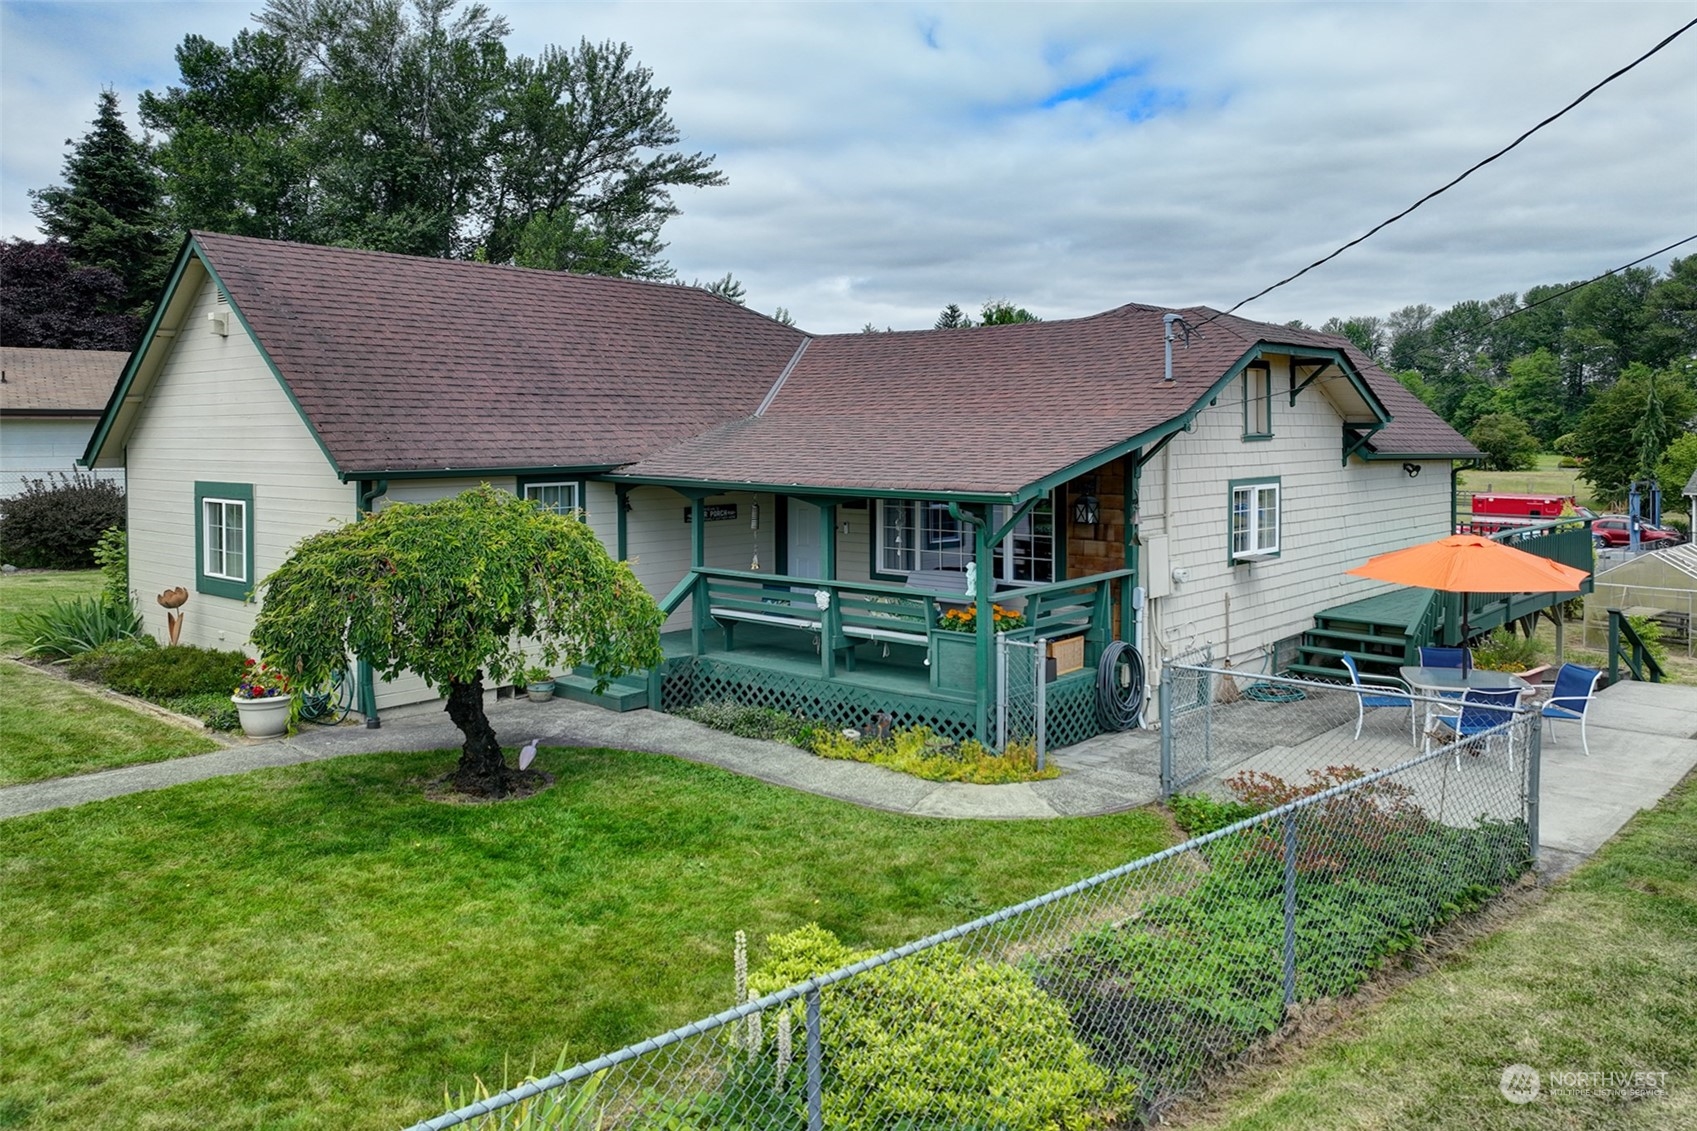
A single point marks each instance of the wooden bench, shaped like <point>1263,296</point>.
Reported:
<point>768,610</point>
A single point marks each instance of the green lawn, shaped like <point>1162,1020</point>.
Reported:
<point>1600,978</point>
<point>49,728</point>
<point>35,590</point>
<point>319,946</point>
<point>1545,479</point>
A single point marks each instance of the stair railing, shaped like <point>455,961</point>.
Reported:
<point>1625,644</point>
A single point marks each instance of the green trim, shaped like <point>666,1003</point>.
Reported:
<point>621,500</point>
<point>109,415</point>
<point>808,493</point>
<point>265,356</point>
<point>1373,454</point>
<point>219,586</point>
<point>1356,439</point>
<point>781,535</point>
<point>367,492</point>
<point>1232,487</point>
<point>577,481</point>
<point>1266,370</point>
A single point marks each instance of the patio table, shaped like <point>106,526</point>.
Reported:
<point>1452,683</point>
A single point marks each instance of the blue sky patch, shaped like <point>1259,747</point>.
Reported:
<point>1118,90</point>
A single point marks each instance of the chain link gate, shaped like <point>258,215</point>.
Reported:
<point>1022,695</point>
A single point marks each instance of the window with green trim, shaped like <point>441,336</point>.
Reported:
<point>223,537</point>
<point>1254,519</point>
<point>1258,401</point>
<point>562,496</point>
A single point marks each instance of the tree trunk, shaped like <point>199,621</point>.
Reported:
<point>482,769</point>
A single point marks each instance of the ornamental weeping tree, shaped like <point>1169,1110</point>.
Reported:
<point>478,585</point>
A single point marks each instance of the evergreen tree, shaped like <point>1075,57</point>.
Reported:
<point>952,318</point>
<point>108,209</point>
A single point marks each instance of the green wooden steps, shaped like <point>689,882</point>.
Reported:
<point>627,693</point>
<point>1382,632</point>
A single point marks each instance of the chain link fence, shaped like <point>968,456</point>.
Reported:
<point>1097,1004</point>
<point>1021,700</point>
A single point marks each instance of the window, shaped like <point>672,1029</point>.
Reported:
<point>1258,401</point>
<point>224,539</point>
<point>1254,520</point>
<point>561,497</point>
<point>918,535</point>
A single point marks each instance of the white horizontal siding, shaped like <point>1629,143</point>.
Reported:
<point>1333,517</point>
<point>657,540</point>
<point>37,447</point>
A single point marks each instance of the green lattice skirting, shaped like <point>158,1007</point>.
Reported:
<point>689,682</point>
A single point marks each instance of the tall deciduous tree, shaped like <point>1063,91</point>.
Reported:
<point>457,590</point>
<point>108,209</point>
<point>1504,442</point>
<point>1631,424</point>
<point>1001,312</point>
<point>48,302</point>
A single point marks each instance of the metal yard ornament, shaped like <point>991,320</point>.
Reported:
<point>528,754</point>
<point>172,600</point>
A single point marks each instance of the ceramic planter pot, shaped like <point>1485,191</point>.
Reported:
<point>540,691</point>
<point>263,718</point>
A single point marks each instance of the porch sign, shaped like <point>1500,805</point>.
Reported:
<point>714,512</point>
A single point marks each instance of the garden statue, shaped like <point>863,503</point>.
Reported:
<point>174,599</point>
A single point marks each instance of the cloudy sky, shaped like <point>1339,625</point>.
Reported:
<point>886,159</point>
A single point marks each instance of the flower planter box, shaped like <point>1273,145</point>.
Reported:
<point>954,657</point>
<point>263,718</point>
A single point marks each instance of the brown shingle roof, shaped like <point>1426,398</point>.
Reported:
<point>410,364</point>
<point>58,382</point>
<point>995,409</point>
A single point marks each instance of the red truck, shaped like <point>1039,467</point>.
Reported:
<point>1494,512</point>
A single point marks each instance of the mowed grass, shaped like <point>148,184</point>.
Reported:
<point>1600,978</point>
<point>321,946</point>
<point>52,729</point>
<point>1547,478</point>
<point>33,591</point>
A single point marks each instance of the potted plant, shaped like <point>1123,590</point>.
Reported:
<point>954,646</point>
<point>263,700</point>
<point>538,684</point>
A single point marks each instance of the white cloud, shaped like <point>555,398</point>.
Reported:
<point>876,177</point>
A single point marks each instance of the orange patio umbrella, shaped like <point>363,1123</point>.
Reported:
<point>1468,563</point>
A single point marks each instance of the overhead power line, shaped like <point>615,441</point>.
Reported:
<point>1464,175</point>
<point>1588,282</point>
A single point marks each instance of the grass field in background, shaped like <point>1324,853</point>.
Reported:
<point>1599,978</point>
<point>321,946</point>
<point>1545,479</point>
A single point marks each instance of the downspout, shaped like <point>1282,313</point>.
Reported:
<point>365,688</point>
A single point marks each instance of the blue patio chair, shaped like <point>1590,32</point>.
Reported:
<point>1482,712</point>
<point>1569,698</point>
<point>1447,658</point>
<point>1368,693</point>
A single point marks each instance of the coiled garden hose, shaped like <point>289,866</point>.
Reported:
<point>1119,687</point>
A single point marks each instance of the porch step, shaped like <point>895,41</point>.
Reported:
<point>1375,630</point>
<point>627,693</point>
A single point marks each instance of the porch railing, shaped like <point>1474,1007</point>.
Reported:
<point>843,613</point>
<point>1566,540</point>
<point>1626,645</point>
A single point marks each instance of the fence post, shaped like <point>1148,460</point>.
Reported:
<point>1534,759</point>
<point>815,1073</point>
<point>1166,708</point>
<point>1290,908</point>
<point>1001,691</point>
<point>1039,676</point>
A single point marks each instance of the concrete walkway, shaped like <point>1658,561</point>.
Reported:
<point>1643,741</point>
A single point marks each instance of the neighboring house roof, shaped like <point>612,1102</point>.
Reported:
<point>60,383</point>
<point>410,365</point>
<point>996,409</point>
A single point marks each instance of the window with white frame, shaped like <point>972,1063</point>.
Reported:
<point>1257,401</point>
<point>1254,519</point>
<point>561,497</point>
<point>224,522</point>
<point>918,534</point>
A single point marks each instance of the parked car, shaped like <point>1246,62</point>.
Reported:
<point>1611,530</point>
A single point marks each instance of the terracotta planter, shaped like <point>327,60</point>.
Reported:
<point>263,718</point>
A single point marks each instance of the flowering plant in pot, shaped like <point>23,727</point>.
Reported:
<point>538,684</point>
<point>965,619</point>
<point>263,700</point>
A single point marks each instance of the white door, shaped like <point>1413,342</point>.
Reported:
<point>804,539</point>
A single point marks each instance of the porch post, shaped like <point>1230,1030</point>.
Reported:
<point>1133,473</point>
<point>621,507</point>
<point>983,553</point>
<point>697,559</point>
<point>831,616</point>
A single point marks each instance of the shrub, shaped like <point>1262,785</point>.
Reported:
<point>922,753</point>
<point>67,628</point>
<point>169,673</point>
<point>1198,814</point>
<point>1506,651</point>
<point>1650,633</point>
<point>112,553</point>
<point>216,711</point>
<point>752,722</point>
<point>935,1040</point>
<point>95,664</point>
<point>55,523</point>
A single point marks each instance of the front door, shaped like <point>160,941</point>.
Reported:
<point>804,539</point>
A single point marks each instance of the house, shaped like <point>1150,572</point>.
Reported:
<point>806,507</point>
<point>50,401</point>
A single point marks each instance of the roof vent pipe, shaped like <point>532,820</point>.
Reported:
<point>1167,321</point>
